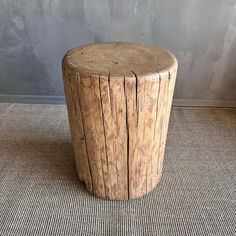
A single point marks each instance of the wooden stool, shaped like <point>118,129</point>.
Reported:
<point>119,99</point>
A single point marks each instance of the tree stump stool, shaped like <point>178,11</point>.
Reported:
<point>119,99</point>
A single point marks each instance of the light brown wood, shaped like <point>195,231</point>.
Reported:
<point>119,99</point>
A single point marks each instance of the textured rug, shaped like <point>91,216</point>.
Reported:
<point>40,193</point>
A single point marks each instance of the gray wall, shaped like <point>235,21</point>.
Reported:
<point>34,35</point>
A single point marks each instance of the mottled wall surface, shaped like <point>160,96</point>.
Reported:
<point>34,35</point>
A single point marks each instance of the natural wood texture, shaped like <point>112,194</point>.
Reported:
<point>119,99</point>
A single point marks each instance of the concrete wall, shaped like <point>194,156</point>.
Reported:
<point>34,35</point>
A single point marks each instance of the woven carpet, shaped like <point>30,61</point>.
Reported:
<point>40,193</point>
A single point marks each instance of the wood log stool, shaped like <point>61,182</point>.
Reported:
<point>119,99</point>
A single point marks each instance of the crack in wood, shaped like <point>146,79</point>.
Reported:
<point>157,106</point>
<point>104,129</point>
<point>93,94</point>
<point>128,148</point>
<point>136,96</point>
<point>109,89</point>
<point>115,147</point>
<point>72,97</point>
<point>85,139</point>
<point>161,127</point>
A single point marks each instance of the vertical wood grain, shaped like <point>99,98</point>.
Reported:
<point>119,127</point>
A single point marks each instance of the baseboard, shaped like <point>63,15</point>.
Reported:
<point>177,102</point>
<point>32,99</point>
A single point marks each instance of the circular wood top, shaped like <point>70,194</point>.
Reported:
<point>120,59</point>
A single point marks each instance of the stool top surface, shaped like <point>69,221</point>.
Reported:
<point>120,59</point>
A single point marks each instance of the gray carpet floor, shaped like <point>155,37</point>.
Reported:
<point>40,193</point>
